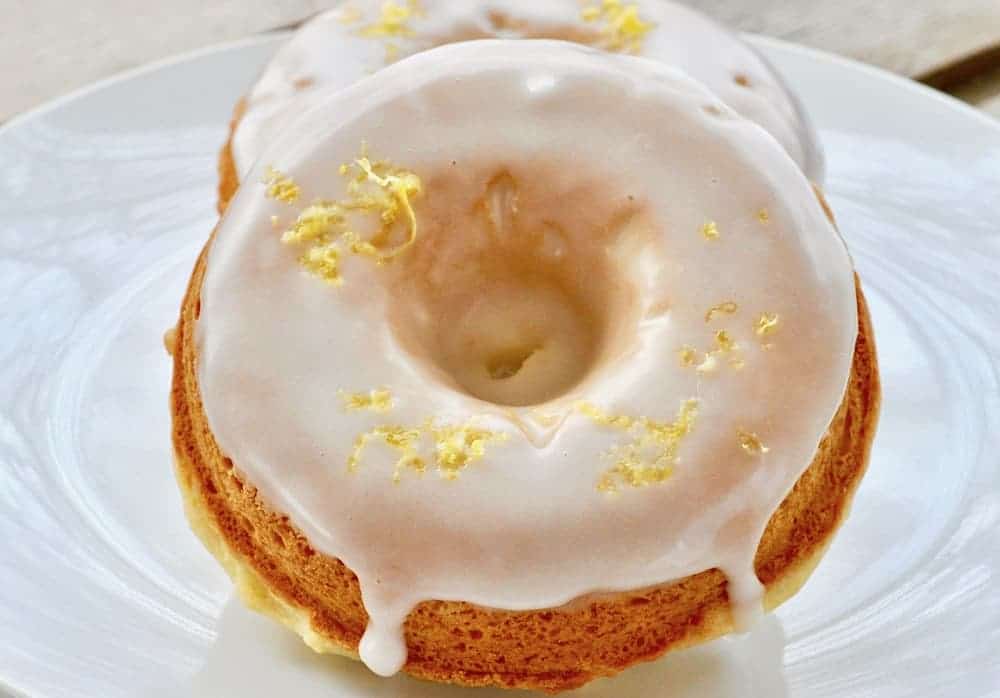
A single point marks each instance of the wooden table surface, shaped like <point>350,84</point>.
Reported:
<point>48,47</point>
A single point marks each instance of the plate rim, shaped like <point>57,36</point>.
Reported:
<point>139,71</point>
<point>275,35</point>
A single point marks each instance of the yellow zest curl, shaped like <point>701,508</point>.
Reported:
<point>688,356</point>
<point>281,187</point>
<point>316,224</point>
<point>600,417</point>
<point>650,454</point>
<point>324,227</point>
<point>726,349</point>
<point>400,439</point>
<point>454,446</point>
<point>724,341</point>
<point>323,263</point>
<point>374,400</point>
<point>725,308</point>
<point>391,195</point>
<point>710,231</point>
<point>392,21</point>
<point>751,443</point>
<point>766,324</point>
<point>623,29</point>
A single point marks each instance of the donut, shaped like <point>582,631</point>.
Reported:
<point>487,376</point>
<point>343,45</point>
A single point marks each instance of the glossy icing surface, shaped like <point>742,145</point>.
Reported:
<point>345,44</point>
<point>695,260</point>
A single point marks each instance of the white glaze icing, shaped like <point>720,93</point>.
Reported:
<point>330,52</point>
<point>525,527</point>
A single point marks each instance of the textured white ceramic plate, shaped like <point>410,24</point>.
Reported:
<point>105,199</point>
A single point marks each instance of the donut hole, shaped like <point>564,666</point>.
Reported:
<point>519,340</point>
<point>509,362</point>
<point>518,292</point>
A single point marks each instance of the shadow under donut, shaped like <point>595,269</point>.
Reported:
<point>256,658</point>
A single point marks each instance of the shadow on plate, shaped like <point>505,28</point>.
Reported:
<point>254,657</point>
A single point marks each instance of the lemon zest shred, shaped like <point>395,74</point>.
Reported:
<point>400,439</point>
<point>324,227</point>
<point>724,308</point>
<point>766,324</point>
<point>315,225</point>
<point>650,454</point>
<point>379,400</point>
<point>710,230</point>
<point>281,187</point>
<point>751,443</point>
<point>622,27</point>
<point>455,447</point>
<point>323,262</point>
<point>688,356</point>
<point>392,21</point>
<point>726,348</point>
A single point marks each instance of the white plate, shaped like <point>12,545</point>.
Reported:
<point>106,197</point>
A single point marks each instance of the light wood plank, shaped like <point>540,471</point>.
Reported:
<point>992,106</point>
<point>911,37</point>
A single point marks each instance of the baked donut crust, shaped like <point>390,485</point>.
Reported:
<point>279,573</point>
<point>229,180</point>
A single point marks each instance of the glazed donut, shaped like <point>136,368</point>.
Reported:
<point>489,377</point>
<point>345,44</point>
